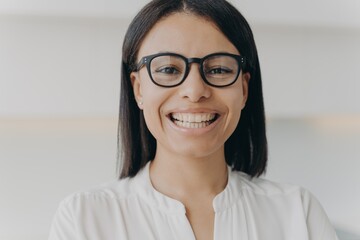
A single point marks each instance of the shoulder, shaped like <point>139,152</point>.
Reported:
<point>111,195</point>
<point>294,206</point>
<point>269,193</point>
<point>103,206</point>
<point>265,187</point>
<point>116,190</point>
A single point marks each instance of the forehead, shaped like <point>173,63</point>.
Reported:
<point>186,34</point>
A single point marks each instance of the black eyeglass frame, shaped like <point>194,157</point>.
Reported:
<point>146,60</point>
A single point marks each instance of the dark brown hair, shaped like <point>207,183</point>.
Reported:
<point>246,148</point>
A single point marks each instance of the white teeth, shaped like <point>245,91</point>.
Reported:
<point>191,125</point>
<point>193,120</point>
<point>193,117</point>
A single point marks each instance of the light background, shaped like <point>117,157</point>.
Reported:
<point>59,91</point>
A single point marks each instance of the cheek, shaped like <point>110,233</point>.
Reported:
<point>153,122</point>
<point>234,99</point>
<point>235,105</point>
<point>153,100</point>
<point>151,110</point>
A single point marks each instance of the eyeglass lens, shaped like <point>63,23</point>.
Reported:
<point>170,70</point>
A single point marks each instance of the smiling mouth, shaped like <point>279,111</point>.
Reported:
<point>193,120</point>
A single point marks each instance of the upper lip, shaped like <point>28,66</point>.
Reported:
<point>192,110</point>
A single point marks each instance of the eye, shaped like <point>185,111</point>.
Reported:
<point>167,70</point>
<point>221,70</point>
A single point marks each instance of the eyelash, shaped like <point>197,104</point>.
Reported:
<point>166,69</point>
<point>216,69</point>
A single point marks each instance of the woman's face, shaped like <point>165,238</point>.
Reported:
<point>193,101</point>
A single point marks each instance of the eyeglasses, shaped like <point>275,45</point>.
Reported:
<point>171,69</point>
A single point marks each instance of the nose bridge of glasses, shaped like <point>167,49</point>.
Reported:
<point>189,61</point>
<point>193,60</point>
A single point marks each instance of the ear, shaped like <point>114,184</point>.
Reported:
<point>136,84</point>
<point>245,86</point>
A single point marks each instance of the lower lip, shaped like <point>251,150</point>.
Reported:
<point>194,131</point>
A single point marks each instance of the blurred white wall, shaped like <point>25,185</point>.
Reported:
<point>53,66</point>
<point>310,71</point>
<point>59,91</point>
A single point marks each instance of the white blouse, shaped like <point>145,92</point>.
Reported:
<point>247,209</point>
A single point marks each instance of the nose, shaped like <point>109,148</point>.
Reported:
<point>194,88</point>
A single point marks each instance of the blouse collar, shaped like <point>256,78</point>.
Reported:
<point>224,200</point>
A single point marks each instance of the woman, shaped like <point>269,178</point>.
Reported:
<point>193,137</point>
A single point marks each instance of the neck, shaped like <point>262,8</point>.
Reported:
<point>181,177</point>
